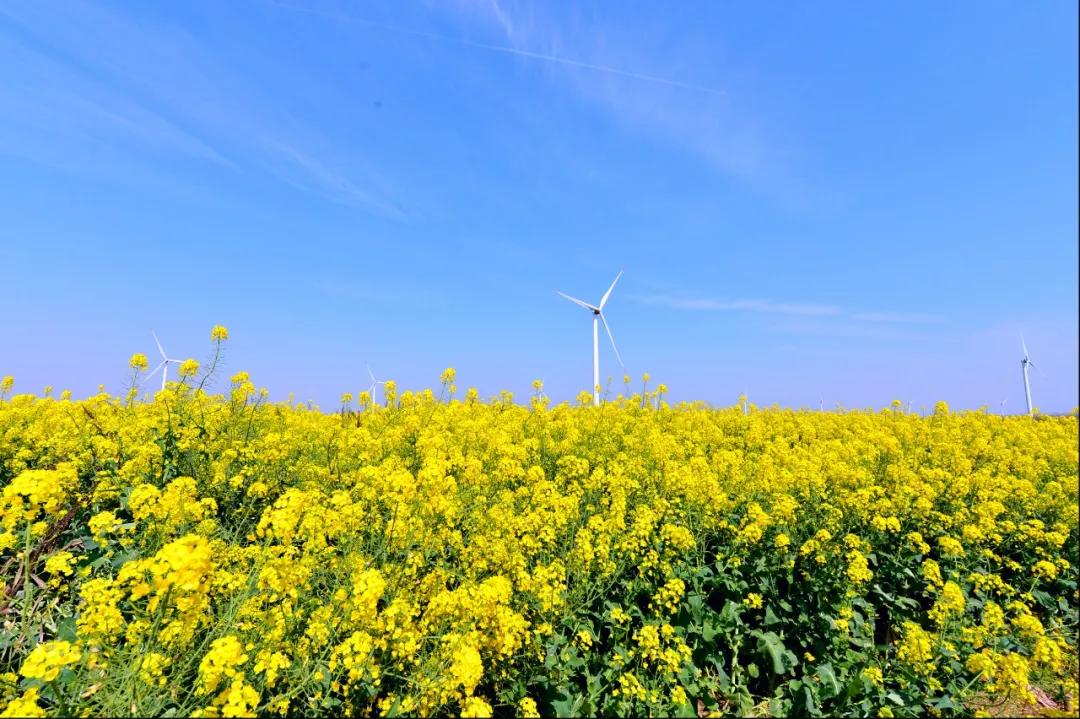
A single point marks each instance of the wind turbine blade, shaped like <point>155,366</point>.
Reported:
<point>603,300</point>
<point>371,374</point>
<point>576,301</point>
<point>1024,345</point>
<point>154,371</point>
<point>612,338</point>
<point>160,348</point>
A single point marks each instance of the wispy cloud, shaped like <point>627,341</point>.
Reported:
<point>606,69</point>
<point>705,118</point>
<point>40,99</point>
<point>504,21</point>
<point>898,318</point>
<point>130,88</point>
<point>779,308</point>
<point>819,327</point>
<point>783,308</point>
<point>642,84</point>
<point>502,17</point>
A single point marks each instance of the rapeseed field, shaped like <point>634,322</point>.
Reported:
<point>209,552</point>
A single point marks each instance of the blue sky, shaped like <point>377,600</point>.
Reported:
<point>816,201</point>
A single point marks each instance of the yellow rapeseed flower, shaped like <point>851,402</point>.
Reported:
<point>24,706</point>
<point>46,660</point>
<point>188,368</point>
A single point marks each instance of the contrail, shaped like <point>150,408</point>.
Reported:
<point>587,66</point>
<point>569,62</point>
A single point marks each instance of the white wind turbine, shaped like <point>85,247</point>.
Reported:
<point>165,360</point>
<point>374,383</point>
<point>1025,364</point>
<point>598,316</point>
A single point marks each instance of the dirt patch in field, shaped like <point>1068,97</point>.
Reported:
<point>1044,706</point>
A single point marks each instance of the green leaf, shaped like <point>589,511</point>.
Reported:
<point>895,699</point>
<point>564,706</point>
<point>770,617</point>
<point>65,629</point>
<point>856,686</point>
<point>946,703</point>
<point>770,645</point>
<point>811,701</point>
<point>593,686</point>
<point>685,710</point>
<point>882,593</point>
<point>746,703</point>
<point>828,679</point>
<point>780,707</point>
<point>122,558</point>
<point>722,679</point>
<point>710,628</point>
<point>100,562</point>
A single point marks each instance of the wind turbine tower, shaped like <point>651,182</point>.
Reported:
<point>374,384</point>
<point>1026,364</point>
<point>598,317</point>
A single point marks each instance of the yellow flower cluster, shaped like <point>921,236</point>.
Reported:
<point>24,706</point>
<point>34,495</point>
<point>220,663</point>
<point>46,661</point>
<point>227,555</point>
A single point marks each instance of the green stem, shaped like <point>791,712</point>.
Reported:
<point>28,588</point>
<point>59,698</point>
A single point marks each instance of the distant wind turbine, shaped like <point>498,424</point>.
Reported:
<point>374,383</point>
<point>598,316</point>
<point>165,360</point>
<point>1025,364</point>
